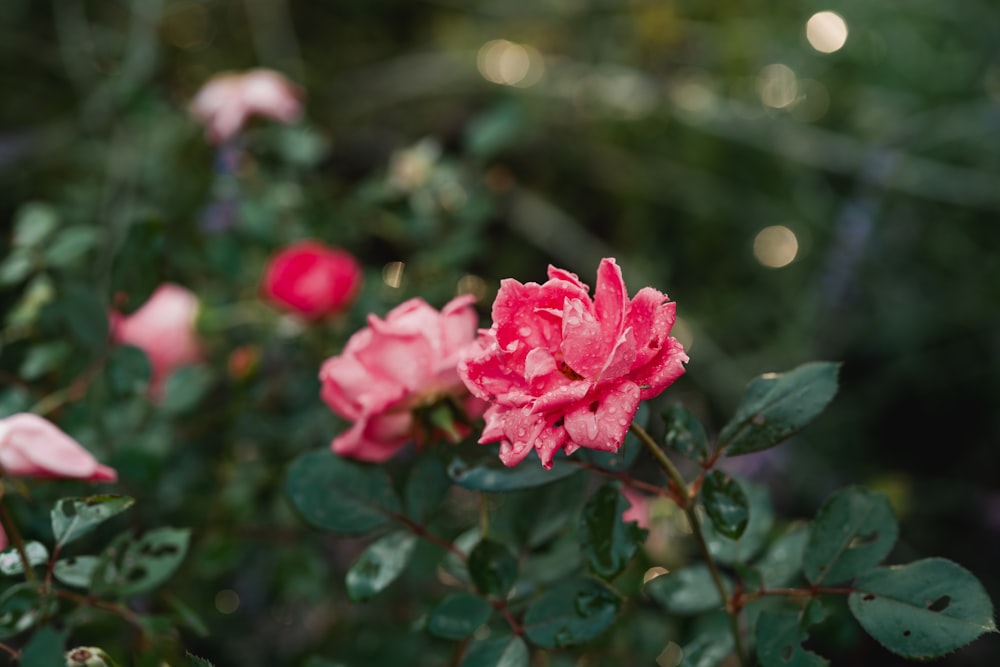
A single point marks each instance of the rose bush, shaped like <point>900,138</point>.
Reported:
<point>312,279</point>
<point>562,371</point>
<point>32,446</point>
<point>228,100</point>
<point>163,328</point>
<point>392,368</point>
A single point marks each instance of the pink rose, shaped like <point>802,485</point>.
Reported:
<point>394,366</point>
<point>163,328</point>
<point>312,279</point>
<point>563,371</point>
<point>226,102</point>
<point>639,507</point>
<point>31,446</point>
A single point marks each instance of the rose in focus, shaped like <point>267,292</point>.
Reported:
<point>562,371</point>
<point>32,446</point>
<point>228,100</point>
<point>163,328</point>
<point>396,367</point>
<point>312,279</point>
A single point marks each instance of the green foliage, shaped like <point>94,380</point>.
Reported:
<point>853,531</point>
<point>754,537</point>
<point>481,470</point>
<point>726,504</point>
<point>45,649</point>
<point>684,433</point>
<point>134,564</point>
<point>571,613</point>
<point>493,568</point>
<point>924,609</point>
<point>607,542</point>
<point>73,518</point>
<point>11,563</point>
<point>340,496</point>
<point>509,651</point>
<point>426,487</point>
<point>777,405</point>
<point>686,592</point>
<point>458,616</point>
<point>379,565</point>
<point>21,607</point>
<point>779,642</point>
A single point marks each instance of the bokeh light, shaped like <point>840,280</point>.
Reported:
<point>826,31</point>
<point>511,64</point>
<point>392,274</point>
<point>777,86</point>
<point>775,246</point>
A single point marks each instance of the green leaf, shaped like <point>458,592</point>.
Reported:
<point>607,542</point>
<point>137,564</point>
<point>782,562</point>
<point>574,612</point>
<point>15,267</point>
<point>195,661</point>
<point>686,592</point>
<point>534,517</point>
<point>483,471</point>
<point>707,649</point>
<point>79,311</point>
<point>853,531</point>
<point>128,371</point>
<point>458,616</point>
<point>42,358</point>
<point>684,433</point>
<point>775,406</point>
<point>34,222</point>
<point>70,244</point>
<point>426,487</point>
<point>509,651</point>
<point>493,568</point>
<point>184,389</point>
<point>922,610</point>
<point>752,540</point>
<point>21,606</point>
<point>45,649</point>
<point>11,563</point>
<point>74,517</point>
<point>379,565</point>
<point>779,642</point>
<point>338,495</point>
<point>726,504</point>
<point>186,616</point>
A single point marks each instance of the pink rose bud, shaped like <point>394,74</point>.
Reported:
<point>31,446</point>
<point>228,100</point>
<point>395,367</point>
<point>563,371</point>
<point>312,279</point>
<point>163,328</point>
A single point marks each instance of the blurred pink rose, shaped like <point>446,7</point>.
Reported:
<point>31,446</point>
<point>639,510</point>
<point>227,100</point>
<point>163,328</point>
<point>394,366</point>
<point>563,371</point>
<point>312,279</point>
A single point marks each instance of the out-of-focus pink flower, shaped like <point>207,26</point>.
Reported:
<point>312,279</point>
<point>563,371</point>
<point>639,510</point>
<point>227,100</point>
<point>394,366</point>
<point>163,328</point>
<point>32,446</point>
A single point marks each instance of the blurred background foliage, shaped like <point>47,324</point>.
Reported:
<point>796,204</point>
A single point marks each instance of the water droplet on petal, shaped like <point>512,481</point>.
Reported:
<point>524,331</point>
